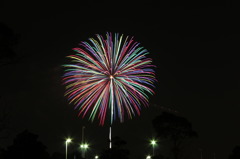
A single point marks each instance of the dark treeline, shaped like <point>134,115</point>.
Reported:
<point>173,130</point>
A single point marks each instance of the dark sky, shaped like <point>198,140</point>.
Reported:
<point>195,46</point>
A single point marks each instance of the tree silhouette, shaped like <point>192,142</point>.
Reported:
<point>26,146</point>
<point>4,116</point>
<point>58,155</point>
<point>8,40</point>
<point>1,152</point>
<point>117,151</point>
<point>235,153</point>
<point>174,128</point>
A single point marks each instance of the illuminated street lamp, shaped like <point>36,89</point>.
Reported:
<point>96,157</point>
<point>67,141</point>
<point>84,147</point>
<point>153,143</point>
<point>148,157</point>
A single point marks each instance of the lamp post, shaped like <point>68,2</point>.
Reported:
<point>84,147</point>
<point>153,143</point>
<point>67,141</point>
<point>201,153</point>
<point>96,157</point>
<point>148,157</point>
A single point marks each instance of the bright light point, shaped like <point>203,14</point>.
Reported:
<point>153,142</point>
<point>84,146</point>
<point>68,140</point>
<point>111,77</point>
<point>96,157</point>
<point>148,157</point>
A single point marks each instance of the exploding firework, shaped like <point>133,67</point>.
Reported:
<point>109,77</point>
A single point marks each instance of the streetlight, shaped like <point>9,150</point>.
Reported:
<point>96,157</point>
<point>68,140</point>
<point>148,157</point>
<point>84,147</point>
<point>153,143</point>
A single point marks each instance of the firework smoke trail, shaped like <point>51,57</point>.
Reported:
<point>109,76</point>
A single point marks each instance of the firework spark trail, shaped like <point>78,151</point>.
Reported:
<point>109,74</point>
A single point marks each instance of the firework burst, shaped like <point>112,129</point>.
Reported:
<point>109,76</point>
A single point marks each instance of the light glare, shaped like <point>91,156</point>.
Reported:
<point>153,142</point>
<point>84,146</point>
<point>68,140</point>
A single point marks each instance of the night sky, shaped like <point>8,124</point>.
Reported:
<point>195,46</point>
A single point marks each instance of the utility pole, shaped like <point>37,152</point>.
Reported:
<point>83,143</point>
<point>83,134</point>
<point>201,154</point>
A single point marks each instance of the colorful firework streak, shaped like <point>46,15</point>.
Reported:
<point>109,76</point>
